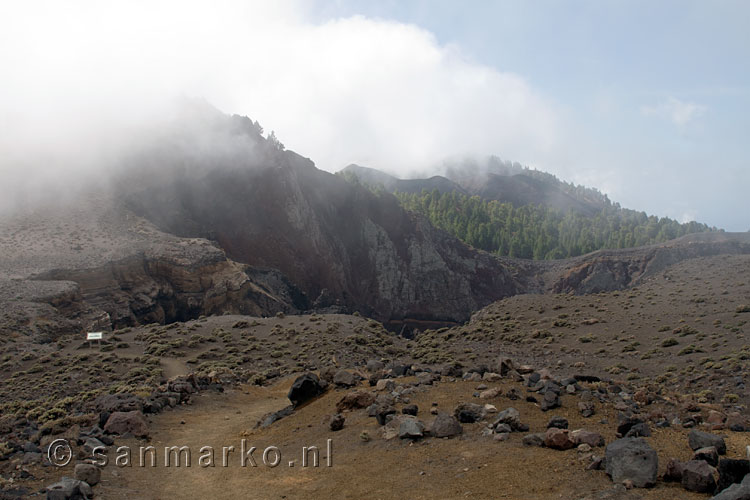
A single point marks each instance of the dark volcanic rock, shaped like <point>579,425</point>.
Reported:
<point>699,439</point>
<point>337,422</point>
<point>445,425</point>
<point>698,476</point>
<point>468,413</point>
<point>732,471</point>
<point>633,459</point>
<point>305,388</point>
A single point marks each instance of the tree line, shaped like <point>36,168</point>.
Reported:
<point>538,232</point>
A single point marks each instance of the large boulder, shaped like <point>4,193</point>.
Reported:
<point>305,388</point>
<point>698,476</point>
<point>633,459</point>
<point>445,425</point>
<point>699,439</point>
<point>127,422</point>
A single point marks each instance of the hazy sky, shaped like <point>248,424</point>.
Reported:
<point>648,101</point>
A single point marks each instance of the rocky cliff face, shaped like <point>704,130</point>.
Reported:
<point>616,270</point>
<point>342,245</point>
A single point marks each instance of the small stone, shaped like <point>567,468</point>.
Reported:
<point>337,422</point>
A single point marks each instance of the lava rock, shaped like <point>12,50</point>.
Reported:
<point>699,439</point>
<point>305,388</point>
<point>337,422</point>
<point>698,476</point>
<point>633,459</point>
<point>445,425</point>
<point>88,473</point>
<point>468,413</point>
<point>559,422</point>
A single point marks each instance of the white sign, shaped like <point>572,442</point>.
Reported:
<point>94,335</point>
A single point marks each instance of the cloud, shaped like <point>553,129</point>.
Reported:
<point>678,112</point>
<point>377,92</point>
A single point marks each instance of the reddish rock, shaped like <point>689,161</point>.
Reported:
<point>558,439</point>
<point>355,400</point>
<point>582,436</point>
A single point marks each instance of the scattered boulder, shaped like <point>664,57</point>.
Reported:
<point>737,491</point>
<point>344,378</point>
<point>509,416</point>
<point>586,408</point>
<point>374,366</point>
<point>305,388</point>
<point>270,418</point>
<point>699,439</point>
<point>640,429</point>
<point>337,422</point>
<point>591,438</point>
<point>625,423</point>
<point>385,384</point>
<point>118,402</point>
<point>709,455</point>
<point>533,439</point>
<point>69,489</point>
<point>550,401</point>
<point>355,400</point>
<point>732,471</point>
<point>445,425</point>
<point>124,422</point>
<point>468,413</point>
<point>673,471</point>
<point>490,393</point>
<point>410,428</point>
<point>382,412</point>
<point>633,459</point>
<point>411,409</point>
<point>698,476</point>
<point>559,422</point>
<point>558,439</point>
<point>88,473</point>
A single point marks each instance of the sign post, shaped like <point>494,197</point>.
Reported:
<point>95,336</point>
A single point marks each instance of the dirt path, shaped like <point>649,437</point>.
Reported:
<point>468,466</point>
<point>214,420</point>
